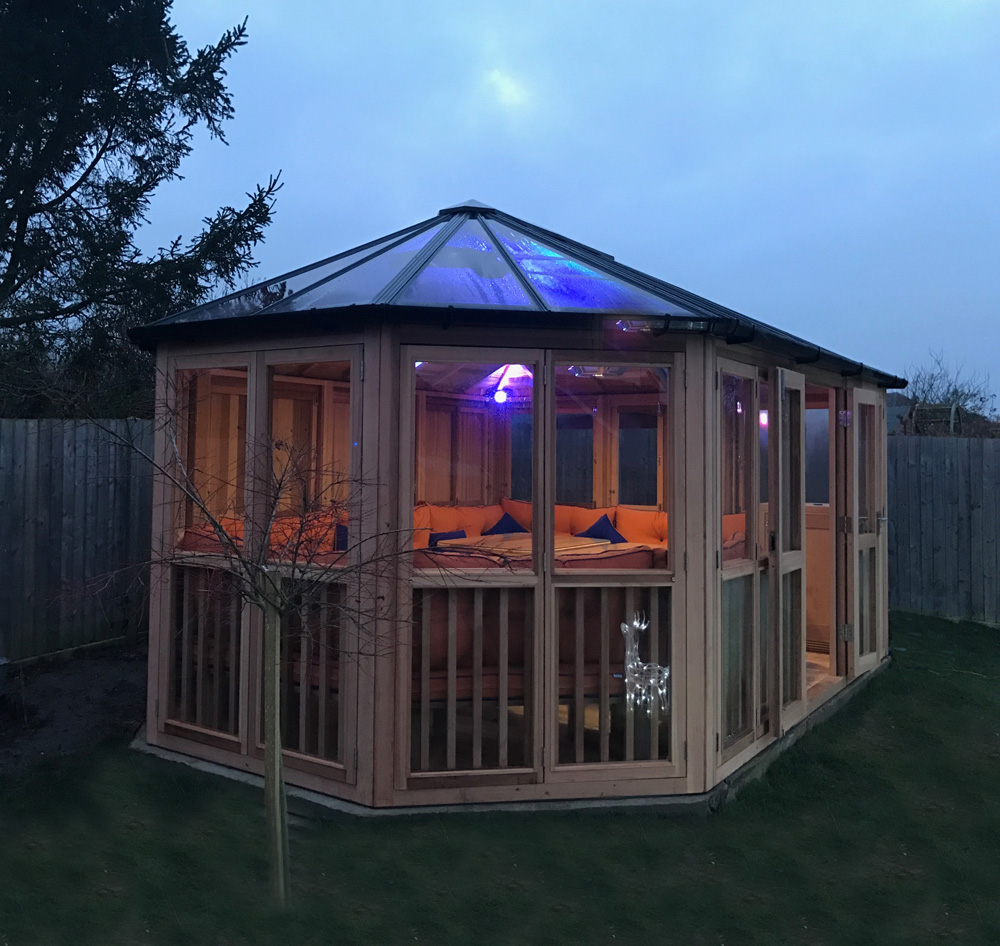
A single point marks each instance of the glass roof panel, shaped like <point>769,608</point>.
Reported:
<point>567,283</point>
<point>259,297</point>
<point>360,286</point>
<point>467,270</point>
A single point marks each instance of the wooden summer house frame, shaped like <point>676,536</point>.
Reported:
<point>474,449</point>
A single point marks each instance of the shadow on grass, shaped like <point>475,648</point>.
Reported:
<point>880,826</point>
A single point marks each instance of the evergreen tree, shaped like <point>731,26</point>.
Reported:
<point>99,104</point>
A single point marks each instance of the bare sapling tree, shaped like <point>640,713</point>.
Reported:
<point>272,523</point>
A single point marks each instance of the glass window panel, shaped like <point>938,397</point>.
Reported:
<point>259,297</point>
<point>818,455</point>
<point>791,454</point>
<point>738,443</point>
<point>611,423</point>
<point>575,458</point>
<point>473,435</point>
<point>360,286</point>
<point>597,723</point>
<point>212,408</point>
<point>764,658</point>
<point>866,472</point>
<point>867,616</point>
<point>567,283</point>
<point>467,270</point>
<point>311,441</point>
<point>638,451</point>
<point>737,658</point>
<point>791,636</point>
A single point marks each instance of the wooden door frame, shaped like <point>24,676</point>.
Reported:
<point>788,561</point>
<point>673,577</point>
<point>875,540</point>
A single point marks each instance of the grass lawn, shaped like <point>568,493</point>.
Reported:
<point>881,826</point>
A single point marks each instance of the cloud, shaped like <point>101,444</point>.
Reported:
<point>507,91</point>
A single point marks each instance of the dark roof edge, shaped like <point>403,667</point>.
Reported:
<point>734,329</point>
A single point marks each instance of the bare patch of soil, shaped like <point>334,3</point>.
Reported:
<point>61,707</point>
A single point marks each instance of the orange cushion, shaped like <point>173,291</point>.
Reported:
<point>520,510</point>
<point>733,525</point>
<point>646,526</point>
<point>564,519</point>
<point>421,525</point>
<point>583,519</point>
<point>443,518</point>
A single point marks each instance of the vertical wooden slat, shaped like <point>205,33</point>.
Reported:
<point>233,609</point>
<point>654,657</point>
<point>477,678</point>
<point>79,586</point>
<point>977,604</point>
<point>9,644</point>
<point>913,521</point>
<point>218,693</point>
<point>188,580</point>
<point>343,647</point>
<point>605,709</point>
<point>287,690</point>
<point>452,701</point>
<point>28,590</point>
<point>305,676</point>
<point>962,529</point>
<point>629,714</point>
<point>504,682</point>
<point>578,703</point>
<point>991,523</point>
<point>202,617</point>
<point>527,702</point>
<point>325,656</point>
<point>926,529</point>
<point>68,539</point>
<point>425,678</point>
<point>14,539</point>
<point>42,551</point>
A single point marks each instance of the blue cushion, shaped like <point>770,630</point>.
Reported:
<point>602,529</point>
<point>505,526</point>
<point>434,537</point>
<point>340,541</point>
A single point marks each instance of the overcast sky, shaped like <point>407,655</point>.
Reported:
<point>832,168</point>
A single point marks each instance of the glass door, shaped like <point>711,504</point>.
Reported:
<point>787,541</point>
<point>868,532</point>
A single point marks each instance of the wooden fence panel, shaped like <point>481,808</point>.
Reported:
<point>944,509</point>
<point>75,515</point>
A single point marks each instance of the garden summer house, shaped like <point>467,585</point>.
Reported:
<point>472,450</point>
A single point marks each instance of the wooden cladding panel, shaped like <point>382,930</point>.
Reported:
<point>944,523</point>
<point>75,502</point>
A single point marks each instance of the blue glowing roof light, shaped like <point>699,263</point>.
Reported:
<point>567,283</point>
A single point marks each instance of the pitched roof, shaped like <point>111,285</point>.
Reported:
<point>472,256</point>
